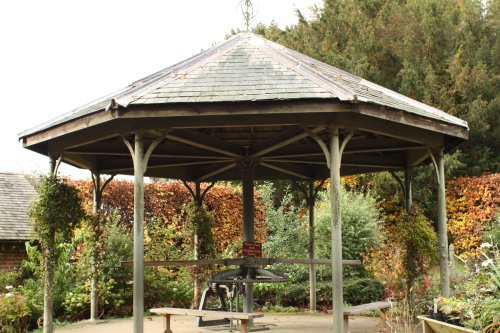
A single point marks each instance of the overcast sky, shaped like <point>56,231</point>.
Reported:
<point>58,55</point>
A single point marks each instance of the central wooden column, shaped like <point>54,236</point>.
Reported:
<point>248,227</point>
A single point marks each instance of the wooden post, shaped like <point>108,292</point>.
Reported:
<point>48,298</point>
<point>196,249</point>
<point>310,195</point>
<point>52,166</point>
<point>140,160</point>
<point>337,278</point>
<point>245,325</point>
<point>166,324</point>
<point>408,190</point>
<point>442,227</point>
<point>311,199</point>
<point>94,303</point>
<point>333,155</point>
<point>248,227</point>
<point>96,207</point>
<point>138,297</point>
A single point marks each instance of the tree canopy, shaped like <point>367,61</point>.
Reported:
<point>444,53</point>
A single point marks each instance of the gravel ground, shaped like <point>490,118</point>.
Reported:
<point>182,324</point>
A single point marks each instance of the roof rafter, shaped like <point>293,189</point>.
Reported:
<point>198,140</point>
<point>282,140</point>
<point>289,169</point>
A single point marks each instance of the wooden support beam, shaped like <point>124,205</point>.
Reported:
<point>289,169</point>
<point>282,140</point>
<point>240,261</point>
<point>159,166</point>
<point>405,118</point>
<point>210,172</point>
<point>276,160</point>
<point>206,142</point>
<point>393,129</point>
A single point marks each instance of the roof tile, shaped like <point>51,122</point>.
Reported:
<point>238,68</point>
<point>16,195</point>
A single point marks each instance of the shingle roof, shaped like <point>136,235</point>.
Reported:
<point>248,67</point>
<point>16,195</point>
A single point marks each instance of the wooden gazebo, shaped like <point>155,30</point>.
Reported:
<point>251,109</point>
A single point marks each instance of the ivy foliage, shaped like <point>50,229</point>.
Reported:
<point>408,252</point>
<point>56,211</point>
<point>201,221</point>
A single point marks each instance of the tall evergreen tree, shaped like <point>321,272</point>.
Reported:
<point>442,52</point>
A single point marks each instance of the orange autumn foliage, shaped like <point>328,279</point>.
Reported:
<point>472,203</point>
<point>168,202</point>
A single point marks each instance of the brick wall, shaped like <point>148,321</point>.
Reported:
<point>11,255</point>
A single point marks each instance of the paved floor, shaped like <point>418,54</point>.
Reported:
<point>182,324</point>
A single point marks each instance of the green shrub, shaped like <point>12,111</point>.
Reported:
<point>356,291</point>
<point>361,229</point>
<point>165,288</point>
<point>362,290</point>
<point>287,231</point>
<point>114,289</point>
<point>14,312</point>
<point>282,294</point>
<point>476,301</point>
<point>8,280</point>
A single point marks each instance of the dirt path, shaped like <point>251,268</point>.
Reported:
<point>182,324</point>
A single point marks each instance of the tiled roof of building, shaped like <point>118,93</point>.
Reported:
<point>16,195</point>
<point>249,68</point>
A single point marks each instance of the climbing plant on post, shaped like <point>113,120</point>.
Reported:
<point>201,222</point>
<point>55,212</point>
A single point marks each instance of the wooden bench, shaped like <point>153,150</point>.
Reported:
<point>243,317</point>
<point>357,309</point>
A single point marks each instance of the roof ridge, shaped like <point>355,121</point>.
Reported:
<point>275,51</point>
<point>156,80</point>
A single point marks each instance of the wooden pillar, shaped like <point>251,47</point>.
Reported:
<point>442,227</point>
<point>310,194</point>
<point>336,224</point>
<point>96,207</point>
<point>138,296</point>
<point>196,246</point>
<point>94,303</point>
<point>48,299</point>
<point>333,155</point>
<point>52,166</point>
<point>248,228</point>
<point>311,200</point>
<point>140,160</point>
<point>407,189</point>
